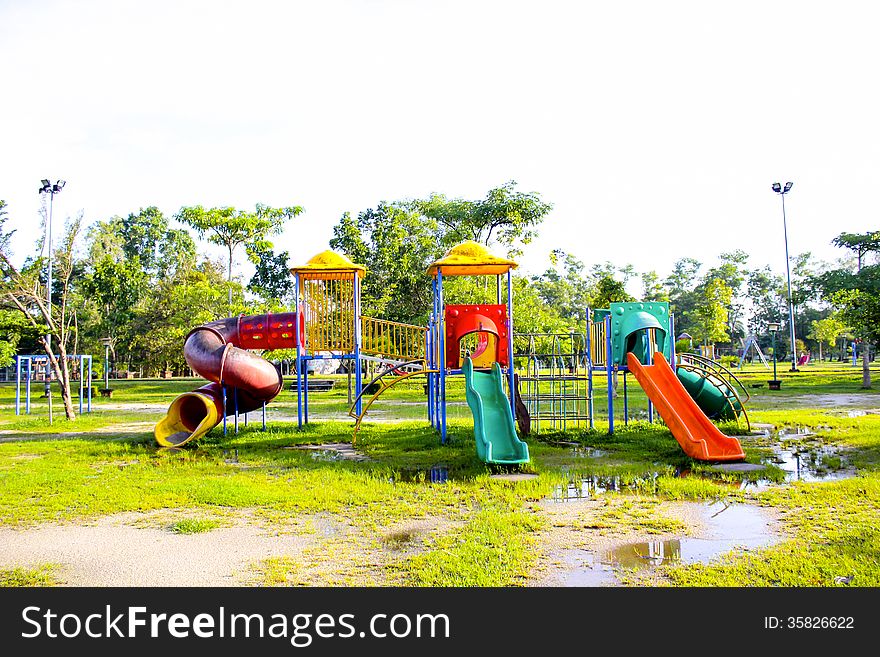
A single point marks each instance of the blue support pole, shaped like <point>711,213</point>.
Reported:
<point>358,370</point>
<point>442,356</point>
<point>650,359</point>
<point>81,360</point>
<point>305,389</point>
<point>511,381</point>
<point>589,343</point>
<point>89,400</point>
<point>625,403</point>
<point>299,350</point>
<point>27,392</point>
<point>429,365</point>
<point>17,386</point>
<point>610,374</point>
<point>672,341</point>
<point>235,407</point>
<point>223,388</point>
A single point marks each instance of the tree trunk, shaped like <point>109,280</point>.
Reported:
<point>63,375</point>
<point>866,366</point>
<point>820,351</point>
<point>229,279</point>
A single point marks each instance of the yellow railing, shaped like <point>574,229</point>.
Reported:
<point>597,343</point>
<point>329,314</point>
<point>392,339</point>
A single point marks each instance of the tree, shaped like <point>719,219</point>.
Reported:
<point>860,243</point>
<point>24,290</point>
<point>396,244</point>
<point>711,312</point>
<point>163,318</point>
<point>733,273</point>
<point>608,290</point>
<point>565,286</point>
<point>857,294</point>
<point>271,279</point>
<point>652,288</point>
<point>142,235</point>
<point>507,216</point>
<point>826,331</point>
<point>681,284</point>
<point>231,228</point>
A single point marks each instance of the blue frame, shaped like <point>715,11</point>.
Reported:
<point>28,359</point>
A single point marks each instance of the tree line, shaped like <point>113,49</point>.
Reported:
<point>143,281</point>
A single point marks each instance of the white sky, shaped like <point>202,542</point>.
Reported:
<point>654,128</point>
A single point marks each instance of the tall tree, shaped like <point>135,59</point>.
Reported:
<point>271,279</point>
<point>711,312</point>
<point>396,244</point>
<point>861,244</point>
<point>23,289</point>
<point>507,216</point>
<point>857,294</point>
<point>826,331</point>
<point>652,288</point>
<point>233,228</point>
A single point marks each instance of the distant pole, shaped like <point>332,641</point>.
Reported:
<point>782,192</point>
<point>51,190</point>
<point>107,342</point>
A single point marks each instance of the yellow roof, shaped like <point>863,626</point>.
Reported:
<point>471,259</point>
<point>328,263</point>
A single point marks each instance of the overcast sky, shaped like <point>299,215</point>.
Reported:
<point>654,128</point>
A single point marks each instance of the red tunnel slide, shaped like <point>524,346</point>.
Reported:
<point>218,352</point>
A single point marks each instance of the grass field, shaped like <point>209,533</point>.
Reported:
<point>388,521</point>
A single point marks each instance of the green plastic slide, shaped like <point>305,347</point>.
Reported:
<point>494,430</point>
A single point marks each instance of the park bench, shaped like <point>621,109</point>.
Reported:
<point>316,385</point>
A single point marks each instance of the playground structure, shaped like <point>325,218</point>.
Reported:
<point>749,345</point>
<point>556,383</point>
<point>463,338</point>
<point>554,388</point>
<point>26,365</point>
<point>240,381</point>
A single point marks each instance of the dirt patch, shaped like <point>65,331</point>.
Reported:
<point>138,549</point>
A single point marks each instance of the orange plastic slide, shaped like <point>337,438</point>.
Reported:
<point>698,437</point>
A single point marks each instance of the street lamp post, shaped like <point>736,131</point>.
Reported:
<point>51,189</point>
<point>774,327</point>
<point>782,191</point>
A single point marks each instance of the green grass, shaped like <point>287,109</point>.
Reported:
<point>43,575</point>
<point>491,528</point>
<point>194,526</point>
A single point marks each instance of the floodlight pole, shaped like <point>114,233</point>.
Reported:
<point>51,190</point>
<point>782,192</point>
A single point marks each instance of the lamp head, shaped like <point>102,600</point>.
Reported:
<point>787,187</point>
<point>777,188</point>
<point>774,327</point>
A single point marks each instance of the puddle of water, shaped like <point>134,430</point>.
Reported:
<point>592,486</point>
<point>794,433</point>
<point>809,465</point>
<point>332,452</point>
<point>437,474</point>
<point>587,452</point>
<point>726,527</point>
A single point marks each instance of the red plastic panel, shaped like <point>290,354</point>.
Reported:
<point>270,331</point>
<point>463,319</point>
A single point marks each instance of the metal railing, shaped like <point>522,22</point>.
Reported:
<point>393,340</point>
